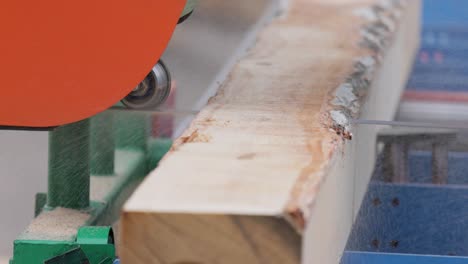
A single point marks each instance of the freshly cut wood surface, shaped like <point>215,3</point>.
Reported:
<point>273,170</point>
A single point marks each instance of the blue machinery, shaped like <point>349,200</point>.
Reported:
<point>416,207</point>
<point>411,223</point>
<point>420,214</point>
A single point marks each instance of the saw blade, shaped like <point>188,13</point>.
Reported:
<point>435,125</point>
<point>157,112</point>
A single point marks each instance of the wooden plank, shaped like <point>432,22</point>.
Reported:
<point>273,170</point>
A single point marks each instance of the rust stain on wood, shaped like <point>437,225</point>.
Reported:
<point>368,44</point>
<point>195,136</point>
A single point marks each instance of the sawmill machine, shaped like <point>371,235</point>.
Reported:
<point>63,63</point>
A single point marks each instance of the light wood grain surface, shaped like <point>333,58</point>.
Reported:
<point>272,170</point>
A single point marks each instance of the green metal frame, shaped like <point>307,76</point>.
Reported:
<point>93,244</point>
<point>115,148</point>
<point>69,169</point>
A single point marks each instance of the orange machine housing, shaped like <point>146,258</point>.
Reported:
<point>64,61</point>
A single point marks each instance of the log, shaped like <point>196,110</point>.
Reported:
<point>273,170</point>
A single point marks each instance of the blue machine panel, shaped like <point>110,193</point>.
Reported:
<point>447,13</point>
<point>442,63</point>
<point>412,219</point>
<point>351,257</point>
<point>420,168</point>
<point>420,223</point>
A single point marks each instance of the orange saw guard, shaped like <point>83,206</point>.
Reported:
<point>64,61</point>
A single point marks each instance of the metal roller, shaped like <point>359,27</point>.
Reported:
<point>153,91</point>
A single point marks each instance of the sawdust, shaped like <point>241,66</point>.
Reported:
<point>209,120</point>
<point>213,122</point>
<point>195,136</point>
<point>56,225</point>
<point>341,124</point>
<point>101,186</point>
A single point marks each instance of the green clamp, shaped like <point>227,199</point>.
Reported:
<point>93,245</point>
<point>97,243</point>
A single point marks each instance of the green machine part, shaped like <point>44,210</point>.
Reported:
<point>69,169</point>
<point>68,187</point>
<point>97,243</point>
<point>116,148</point>
<point>93,245</point>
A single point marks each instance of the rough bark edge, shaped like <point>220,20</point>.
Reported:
<point>380,24</point>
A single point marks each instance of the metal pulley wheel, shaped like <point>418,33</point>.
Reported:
<point>153,91</point>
